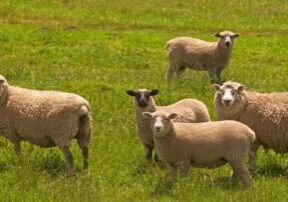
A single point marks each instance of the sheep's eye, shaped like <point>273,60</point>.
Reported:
<point>222,37</point>
<point>137,95</point>
<point>233,93</point>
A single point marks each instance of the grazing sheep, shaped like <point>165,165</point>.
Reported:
<point>209,144</point>
<point>200,55</point>
<point>189,110</point>
<point>45,118</point>
<point>265,113</point>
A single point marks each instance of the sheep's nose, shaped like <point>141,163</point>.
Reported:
<point>227,102</point>
<point>158,128</point>
<point>142,103</point>
<point>227,43</point>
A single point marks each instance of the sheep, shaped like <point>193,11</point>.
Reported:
<point>265,113</point>
<point>189,110</point>
<point>208,144</point>
<point>200,55</point>
<point>46,119</point>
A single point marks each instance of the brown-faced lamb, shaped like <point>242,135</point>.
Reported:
<point>209,144</point>
<point>186,52</point>
<point>189,110</point>
<point>265,113</point>
<point>46,119</point>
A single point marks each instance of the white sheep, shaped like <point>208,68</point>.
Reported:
<point>45,118</point>
<point>265,113</point>
<point>209,144</point>
<point>186,52</point>
<point>189,110</point>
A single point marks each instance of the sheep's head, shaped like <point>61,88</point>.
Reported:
<point>229,92</point>
<point>142,96</point>
<point>160,122</point>
<point>3,85</point>
<point>226,38</point>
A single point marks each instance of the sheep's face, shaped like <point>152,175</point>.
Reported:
<point>160,122</point>
<point>226,38</point>
<point>142,96</point>
<point>228,92</point>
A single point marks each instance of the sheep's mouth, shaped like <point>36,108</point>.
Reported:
<point>227,104</point>
<point>142,104</point>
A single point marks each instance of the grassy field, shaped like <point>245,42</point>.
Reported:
<point>99,49</point>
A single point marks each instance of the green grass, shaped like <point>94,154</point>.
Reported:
<point>99,49</point>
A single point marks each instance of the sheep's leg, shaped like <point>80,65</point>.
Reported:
<point>240,170</point>
<point>84,147</point>
<point>17,147</point>
<point>69,159</point>
<point>14,138</point>
<point>156,157</point>
<point>149,151</point>
<point>180,72</point>
<point>173,171</point>
<point>170,72</point>
<point>184,168</point>
<point>218,74</point>
<point>253,156</point>
<point>212,74</point>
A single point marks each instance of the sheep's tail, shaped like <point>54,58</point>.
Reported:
<point>85,129</point>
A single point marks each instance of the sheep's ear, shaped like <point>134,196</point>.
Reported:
<point>2,81</point>
<point>216,87</point>
<point>154,92</point>
<point>172,116</point>
<point>217,35</point>
<point>240,88</point>
<point>235,35</point>
<point>131,92</point>
<point>147,115</point>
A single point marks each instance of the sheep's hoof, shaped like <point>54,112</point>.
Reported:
<point>71,172</point>
<point>85,166</point>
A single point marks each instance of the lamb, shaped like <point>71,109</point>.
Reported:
<point>46,119</point>
<point>209,144</point>
<point>265,113</point>
<point>200,55</point>
<point>189,110</point>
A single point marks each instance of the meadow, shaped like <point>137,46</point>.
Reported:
<point>99,49</point>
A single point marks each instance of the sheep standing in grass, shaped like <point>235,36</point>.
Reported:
<point>200,55</point>
<point>265,113</point>
<point>209,144</point>
<point>189,110</point>
<point>45,118</point>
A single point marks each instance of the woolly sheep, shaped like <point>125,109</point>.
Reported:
<point>45,118</point>
<point>265,113</point>
<point>189,110</point>
<point>200,55</point>
<point>209,144</point>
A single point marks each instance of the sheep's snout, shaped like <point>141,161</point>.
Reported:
<point>227,41</point>
<point>142,103</point>
<point>158,127</point>
<point>228,97</point>
<point>227,102</point>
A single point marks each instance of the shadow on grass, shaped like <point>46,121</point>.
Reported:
<point>272,170</point>
<point>4,166</point>
<point>163,187</point>
<point>144,165</point>
<point>53,165</point>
